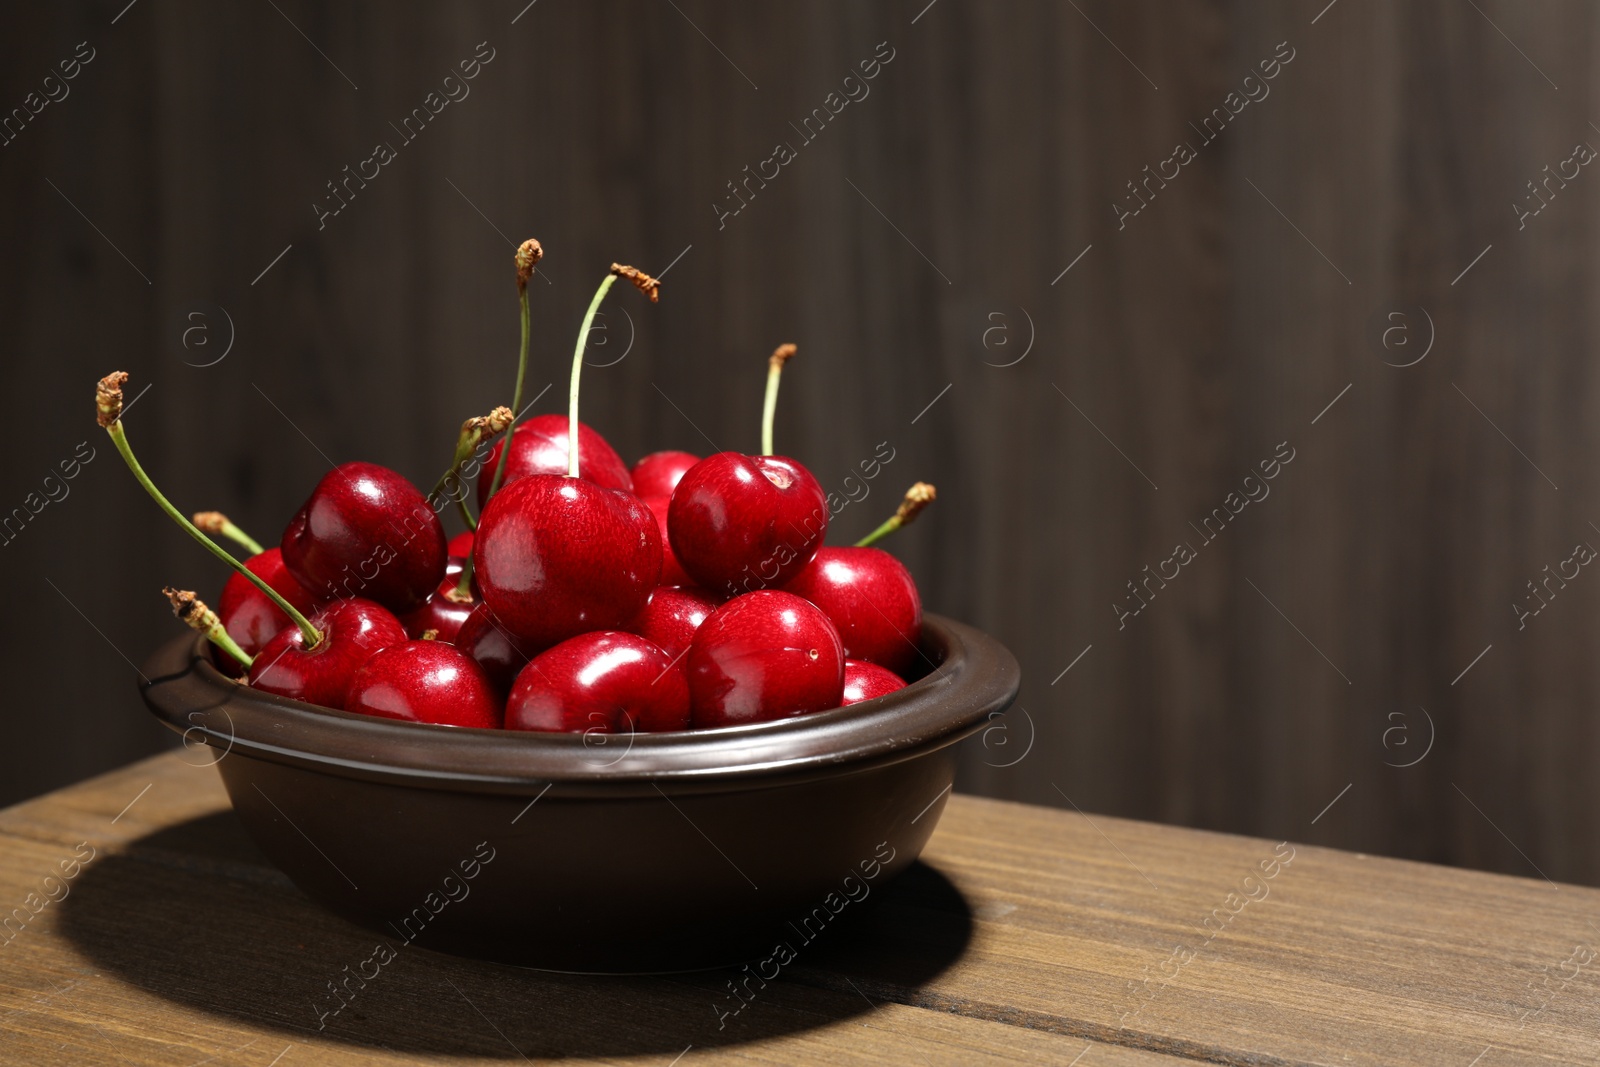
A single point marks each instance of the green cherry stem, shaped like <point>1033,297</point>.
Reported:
<point>651,287</point>
<point>108,403</point>
<point>769,407</point>
<point>474,432</point>
<point>577,371</point>
<point>215,522</point>
<point>462,593</point>
<point>917,497</point>
<point>529,253</point>
<point>194,614</point>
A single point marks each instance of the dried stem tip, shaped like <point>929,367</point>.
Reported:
<point>108,398</point>
<point>529,253</point>
<point>212,522</point>
<point>194,613</point>
<point>498,419</point>
<point>494,422</point>
<point>781,355</point>
<point>191,609</point>
<point>918,497</point>
<point>647,285</point>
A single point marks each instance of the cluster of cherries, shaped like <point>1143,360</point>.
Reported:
<point>681,593</point>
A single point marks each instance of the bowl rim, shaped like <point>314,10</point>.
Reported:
<point>975,678</point>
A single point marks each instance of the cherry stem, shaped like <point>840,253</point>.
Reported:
<point>529,253</point>
<point>473,433</point>
<point>516,400</point>
<point>215,522</point>
<point>769,408</point>
<point>889,526</point>
<point>462,593</point>
<point>459,496</point>
<point>120,438</point>
<point>917,497</point>
<point>192,611</point>
<point>577,370</point>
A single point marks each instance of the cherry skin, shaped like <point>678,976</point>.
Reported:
<point>864,681</point>
<point>425,681</point>
<point>366,532</point>
<point>539,446</point>
<point>740,523</point>
<point>460,546</point>
<point>605,682</point>
<point>672,572</point>
<point>488,643</point>
<point>353,631</point>
<point>671,616</point>
<point>872,601</point>
<point>761,656</point>
<point>556,557</point>
<point>443,613</point>
<point>249,617</point>
<point>658,473</point>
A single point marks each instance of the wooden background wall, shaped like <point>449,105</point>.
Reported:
<point>912,250</point>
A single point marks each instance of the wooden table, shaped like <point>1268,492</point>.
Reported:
<point>1030,935</point>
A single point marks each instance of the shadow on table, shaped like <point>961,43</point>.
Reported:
<point>195,915</point>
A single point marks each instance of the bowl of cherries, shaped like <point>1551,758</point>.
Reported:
<point>632,719</point>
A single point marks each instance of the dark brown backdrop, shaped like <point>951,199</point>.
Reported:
<point>915,248</point>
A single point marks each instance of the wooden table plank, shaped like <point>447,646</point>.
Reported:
<point>178,943</point>
<point>1346,958</point>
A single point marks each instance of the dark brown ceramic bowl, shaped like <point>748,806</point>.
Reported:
<point>650,852</point>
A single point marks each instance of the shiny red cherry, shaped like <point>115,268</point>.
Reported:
<point>658,473</point>
<point>872,601</point>
<point>740,523</point>
<point>672,572</point>
<point>425,681</point>
<point>605,682</point>
<point>249,617</point>
<point>446,611</point>
<point>460,546</point>
<point>500,655</point>
<point>366,532</point>
<point>764,655</point>
<point>864,681</point>
<point>539,446</point>
<point>556,557</point>
<point>353,631</point>
<point>671,616</point>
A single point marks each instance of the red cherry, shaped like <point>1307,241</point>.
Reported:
<point>366,532</point>
<point>764,655</point>
<point>249,617</point>
<point>740,523</point>
<point>864,681</point>
<point>442,613</point>
<point>539,446</point>
<point>671,616</point>
<point>352,632</point>
<point>557,557</point>
<point>658,473</point>
<point>605,682</point>
<point>488,643</point>
<point>425,681</point>
<point>672,572</point>
<point>870,598</point>
<point>460,546</point>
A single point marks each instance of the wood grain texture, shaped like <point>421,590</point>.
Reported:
<point>1064,935</point>
<point>912,249</point>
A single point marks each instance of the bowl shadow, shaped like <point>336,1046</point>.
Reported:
<point>195,915</point>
